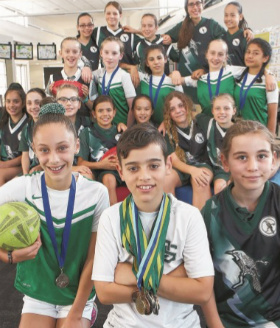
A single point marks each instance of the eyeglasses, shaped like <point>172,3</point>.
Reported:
<point>86,25</point>
<point>72,100</point>
<point>193,4</point>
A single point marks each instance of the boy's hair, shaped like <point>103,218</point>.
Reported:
<point>54,113</point>
<point>137,137</point>
<point>70,38</point>
<point>171,128</point>
<point>244,127</point>
<point>148,50</point>
<point>68,86</point>
<point>152,16</point>
<point>243,23</point>
<point>101,99</point>
<point>113,39</point>
<point>78,19</point>
<point>140,97</point>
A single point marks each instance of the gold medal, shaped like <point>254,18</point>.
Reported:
<point>142,303</point>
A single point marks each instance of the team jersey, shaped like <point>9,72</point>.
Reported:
<point>36,278</point>
<point>165,89</point>
<point>81,122</point>
<point>236,47</point>
<point>215,135</point>
<point>186,242</point>
<point>141,47</point>
<point>96,141</point>
<point>194,142</point>
<point>26,143</point>
<point>91,53</point>
<point>120,90</point>
<point>245,248</point>
<point>129,40</point>
<point>10,138</point>
<point>227,85</point>
<point>255,107</point>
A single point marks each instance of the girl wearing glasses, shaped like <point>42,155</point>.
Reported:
<point>90,49</point>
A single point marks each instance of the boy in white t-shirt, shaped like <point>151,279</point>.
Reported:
<point>152,259</point>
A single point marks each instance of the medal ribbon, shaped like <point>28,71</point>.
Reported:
<point>66,232</point>
<point>105,90</point>
<point>148,255</point>
<point>242,97</point>
<point>218,84</point>
<point>154,99</point>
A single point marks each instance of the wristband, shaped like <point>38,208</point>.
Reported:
<point>10,257</point>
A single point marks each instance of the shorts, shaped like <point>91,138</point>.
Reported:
<point>31,305</point>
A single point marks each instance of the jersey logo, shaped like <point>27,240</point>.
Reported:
<point>9,152</point>
<point>268,226</point>
<point>36,197</point>
<point>124,37</point>
<point>169,256</point>
<point>199,138</point>
<point>189,156</point>
<point>236,42</point>
<point>19,135</point>
<point>93,49</point>
<point>203,30</point>
<point>248,267</point>
<point>117,136</point>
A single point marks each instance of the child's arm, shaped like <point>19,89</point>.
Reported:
<point>211,313</point>
<point>272,117</point>
<point>133,71</point>
<point>130,115</point>
<point>11,163</point>
<point>36,168</point>
<point>74,316</point>
<point>25,162</point>
<point>108,163</point>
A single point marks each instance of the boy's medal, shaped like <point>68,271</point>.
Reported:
<point>62,280</point>
<point>142,303</point>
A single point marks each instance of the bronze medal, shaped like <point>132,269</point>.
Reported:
<point>62,280</point>
<point>142,304</point>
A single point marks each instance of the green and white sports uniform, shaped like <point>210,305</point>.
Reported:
<point>258,98</point>
<point>165,89</point>
<point>245,248</point>
<point>186,242</point>
<point>129,40</point>
<point>26,143</point>
<point>36,278</point>
<point>120,90</point>
<point>215,135</point>
<point>144,44</point>
<point>10,138</point>
<point>95,142</point>
<point>236,47</point>
<point>193,56</point>
<point>227,85</point>
<point>91,52</point>
<point>81,122</point>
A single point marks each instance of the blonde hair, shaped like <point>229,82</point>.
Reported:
<point>70,38</point>
<point>113,39</point>
<point>224,43</point>
<point>170,125</point>
<point>226,96</point>
<point>68,86</point>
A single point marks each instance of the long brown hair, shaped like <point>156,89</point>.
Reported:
<point>170,125</point>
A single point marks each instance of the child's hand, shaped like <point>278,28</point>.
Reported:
<point>176,78</point>
<point>86,74</point>
<point>130,29</point>
<point>270,82</point>
<point>166,39</point>
<point>124,274</point>
<point>81,169</point>
<point>27,253</point>
<point>134,76</point>
<point>36,168</point>
<point>85,90</point>
<point>121,127</point>
<point>161,129</point>
<point>51,88</point>
<point>109,163</point>
<point>72,322</point>
<point>197,74</point>
<point>200,176</point>
<point>248,34</point>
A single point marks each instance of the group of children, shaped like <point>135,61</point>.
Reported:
<point>152,258</point>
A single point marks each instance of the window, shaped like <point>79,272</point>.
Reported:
<point>22,75</point>
<point>3,79</point>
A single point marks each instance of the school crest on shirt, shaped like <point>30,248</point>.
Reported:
<point>268,226</point>
<point>248,267</point>
<point>199,138</point>
<point>117,136</point>
<point>203,30</point>
<point>93,49</point>
<point>236,42</point>
<point>124,37</point>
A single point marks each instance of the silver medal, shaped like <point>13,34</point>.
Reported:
<point>62,280</point>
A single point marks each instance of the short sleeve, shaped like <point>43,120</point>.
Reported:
<point>174,32</point>
<point>272,96</point>
<point>84,147</point>
<point>102,204</point>
<point>128,87</point>
<point>23,144</point>
<point>217,30</point>
<point>13,191</point>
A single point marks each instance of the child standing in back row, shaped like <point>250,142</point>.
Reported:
<point>157,257</point>
<point>65,298</point>
<point>243,230</point>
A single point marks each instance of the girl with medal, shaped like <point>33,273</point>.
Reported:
<point>242,223</point>
<point>155,83</point>
<point>186,142</point>
<point>29,162</point>
<point>114,81</point>
<point>157,255</point>
<point>253,101</point>
<point>12,123</point>
<point>56,283</point>
<point>96,141</point>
